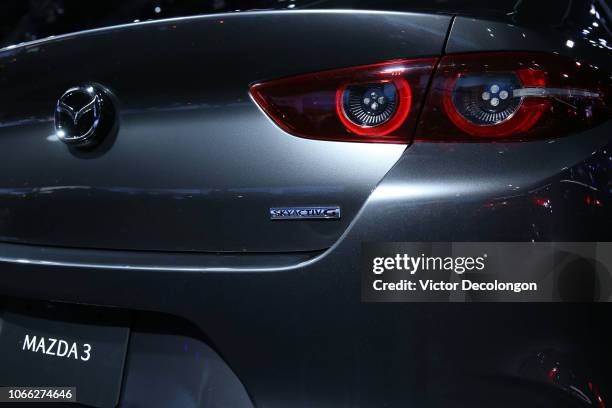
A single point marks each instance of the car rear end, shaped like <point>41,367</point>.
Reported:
<point>213,233</point>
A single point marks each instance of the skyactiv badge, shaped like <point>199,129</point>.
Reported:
<point>305,213</point>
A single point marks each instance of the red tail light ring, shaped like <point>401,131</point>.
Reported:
<point>527,112</point>
<point>396,118</point>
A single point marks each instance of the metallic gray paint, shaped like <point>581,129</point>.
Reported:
<point>478,35</point>
<point>311,329</point>
<point>195,165</point>
<point>294,330</point>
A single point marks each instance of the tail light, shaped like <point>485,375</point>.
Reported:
<point>369,103</point>
<point>512,96</point>
<point>473,97</point>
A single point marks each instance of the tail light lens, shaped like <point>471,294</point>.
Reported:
<point>512,96</point>
<point>369,103</point>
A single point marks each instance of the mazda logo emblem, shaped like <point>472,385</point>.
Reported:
<point>83,114</point>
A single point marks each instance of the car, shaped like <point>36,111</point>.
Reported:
<point>187,192</point>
